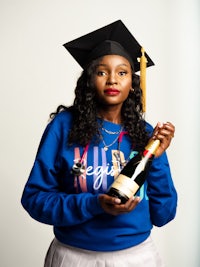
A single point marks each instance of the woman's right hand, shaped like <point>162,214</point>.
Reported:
<point>113,206</point>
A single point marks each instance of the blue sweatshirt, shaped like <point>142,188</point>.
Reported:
<point>54,196</point>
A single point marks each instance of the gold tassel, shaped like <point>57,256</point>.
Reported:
<point>143,64</point>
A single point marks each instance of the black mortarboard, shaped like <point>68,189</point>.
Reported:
<point>113,39</point>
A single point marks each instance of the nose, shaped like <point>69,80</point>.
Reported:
<point>111,79</point>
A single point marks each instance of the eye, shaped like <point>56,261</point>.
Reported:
<point>122,73</point>
<point>101,73</point>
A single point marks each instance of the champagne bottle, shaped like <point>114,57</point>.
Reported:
<point>134,174</point>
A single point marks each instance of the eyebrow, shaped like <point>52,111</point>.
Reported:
<point>105,65</point>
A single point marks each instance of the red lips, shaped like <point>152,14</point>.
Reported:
<point>111,91</point>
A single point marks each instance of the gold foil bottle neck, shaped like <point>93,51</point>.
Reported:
<point>152,146</point>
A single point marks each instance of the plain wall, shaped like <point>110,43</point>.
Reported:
<point>37,74</point>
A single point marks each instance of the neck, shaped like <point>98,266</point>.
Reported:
<point>111,114</point>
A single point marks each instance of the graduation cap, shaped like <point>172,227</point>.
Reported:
<point>112,39</point>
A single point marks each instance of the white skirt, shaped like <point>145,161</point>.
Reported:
<point>142,255</point>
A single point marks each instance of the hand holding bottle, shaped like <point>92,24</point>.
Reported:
<point>163,132</point>
<point>113,205</point>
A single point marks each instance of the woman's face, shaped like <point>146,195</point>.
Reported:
<point>113,80</point>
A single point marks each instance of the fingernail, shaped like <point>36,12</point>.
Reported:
<point>117,200</point>
<point>137,198</point>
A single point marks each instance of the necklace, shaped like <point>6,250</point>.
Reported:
<point>107,146</point>
<point>110,132</point>
<point>114,141</point>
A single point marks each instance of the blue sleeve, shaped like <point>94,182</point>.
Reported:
<point>161,192</point>
<point>43,198</point>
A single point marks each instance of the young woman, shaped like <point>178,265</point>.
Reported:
<point>82,151</point>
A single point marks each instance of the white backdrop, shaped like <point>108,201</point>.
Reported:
<point>37,74</point>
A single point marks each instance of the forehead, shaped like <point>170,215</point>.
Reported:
<point>113,61</point>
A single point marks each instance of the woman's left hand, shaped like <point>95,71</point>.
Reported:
<point>164,132</point>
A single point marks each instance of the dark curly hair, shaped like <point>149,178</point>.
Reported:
<point>84,111</point>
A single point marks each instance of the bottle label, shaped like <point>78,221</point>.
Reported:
<point>125,185</point>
